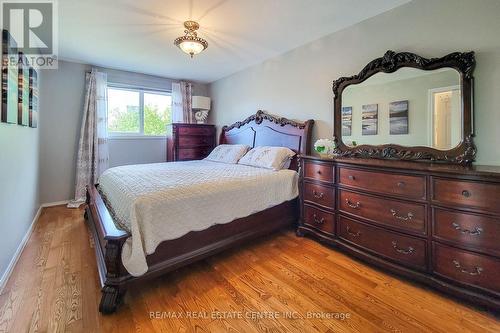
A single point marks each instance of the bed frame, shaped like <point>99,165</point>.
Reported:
<point>260,129</point>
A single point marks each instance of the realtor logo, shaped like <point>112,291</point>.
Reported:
<point>32,26</point>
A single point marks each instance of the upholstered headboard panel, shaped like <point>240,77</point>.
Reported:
<point>263,129</point>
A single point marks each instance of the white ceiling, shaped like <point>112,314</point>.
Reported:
<point>138,35</point>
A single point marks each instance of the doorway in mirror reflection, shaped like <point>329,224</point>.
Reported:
<point>446,117</point>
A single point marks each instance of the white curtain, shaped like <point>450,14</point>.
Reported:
<point>93,154</point>
<point>181,102</point>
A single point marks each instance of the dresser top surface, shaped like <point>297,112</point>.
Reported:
<point>491,171</point>
<point>191,125</point>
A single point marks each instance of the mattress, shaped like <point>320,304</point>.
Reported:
<point>164,201</point>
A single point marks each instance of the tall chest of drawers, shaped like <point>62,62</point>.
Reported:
<point>189,141</point>
<point>435,224</point>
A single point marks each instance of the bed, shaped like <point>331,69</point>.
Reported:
<point>111,239</point>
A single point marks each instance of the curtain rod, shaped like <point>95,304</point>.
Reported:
<point>136,86</point>
<point>173,80</point>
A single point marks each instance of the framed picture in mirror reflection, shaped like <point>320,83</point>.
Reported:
<point>347,120</point>
<point>369,120</point>
<point>398,117</point>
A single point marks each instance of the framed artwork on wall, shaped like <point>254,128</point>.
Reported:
<point>33,98</point>
<point>23,91</point>
<point>10,74</point>
<point>398,117</point>
<point>346,120</point>
<point>369,120</point>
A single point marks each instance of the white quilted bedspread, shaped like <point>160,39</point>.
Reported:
<point>163,201</point>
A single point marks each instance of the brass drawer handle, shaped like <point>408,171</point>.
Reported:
<point>410,250</point>
<point>319,195</point>
<point>351,177</point>
<point>318,221</point>
<point>475,271</point>
<point>466,193</point>
<point>475,232</point>
<point>353,205</point>
<point>401,184</point>
<point>354,234</point>
<point>408,216</point>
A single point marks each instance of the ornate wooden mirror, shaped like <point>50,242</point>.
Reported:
<point>406,107</point>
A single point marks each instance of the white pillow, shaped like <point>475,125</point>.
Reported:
<point>227,153</point>
<point>275,158</point>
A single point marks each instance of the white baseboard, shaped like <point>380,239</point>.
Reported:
<point>20,248</point>
<point>51,204</point>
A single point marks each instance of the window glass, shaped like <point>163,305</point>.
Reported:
<point>123,111</point>
<point>139,112</point>
<point>157,113</point>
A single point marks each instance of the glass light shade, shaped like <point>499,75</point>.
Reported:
<point>191,47</point>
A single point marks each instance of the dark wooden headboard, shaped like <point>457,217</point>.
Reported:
<point>262,129</point>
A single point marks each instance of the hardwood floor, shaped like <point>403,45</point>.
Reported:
<point>54,288</point>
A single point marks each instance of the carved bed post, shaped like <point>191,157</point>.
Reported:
<point>112,291</point>
<point>298,232</point>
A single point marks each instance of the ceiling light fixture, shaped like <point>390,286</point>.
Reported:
<point>191,43</point>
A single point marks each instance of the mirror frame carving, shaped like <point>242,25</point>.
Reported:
<point>463,153</point>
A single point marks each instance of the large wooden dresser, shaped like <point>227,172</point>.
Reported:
<point>436,224</point>
<point>189,141</point>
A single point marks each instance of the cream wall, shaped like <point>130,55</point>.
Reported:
<point>298,84</point>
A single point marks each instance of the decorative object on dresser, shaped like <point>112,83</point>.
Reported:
<point>440,127</point>
<point>189,141</point>
<point>201,107</point>
<point>436,224</point>
<point>325,147</point>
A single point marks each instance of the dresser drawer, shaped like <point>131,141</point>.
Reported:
<point>412,187</point>
<point>401,215</point>
<point>482,196</point>
<point>318,171</point>
<point>196,130</point>
<point>466,267</point>
<point>199,153</point>
<point>319,194</point>
<point>187,141</point>
<point>406,250</point>
<point>463,229</point>
<point>319,219</point>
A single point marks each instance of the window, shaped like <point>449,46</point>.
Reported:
<point>138,112</point>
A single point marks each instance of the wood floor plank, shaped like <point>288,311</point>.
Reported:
<point>361,297</point>
<point>55,288</point>
<point>282,298</point>
<point>324,293</point>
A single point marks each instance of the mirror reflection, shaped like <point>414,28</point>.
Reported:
<point>410,107</point>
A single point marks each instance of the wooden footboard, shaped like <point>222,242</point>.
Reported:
<point>171,254</point>
<point>108,243</point>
